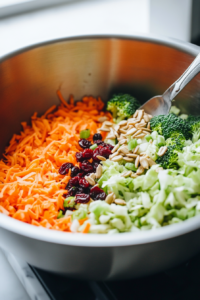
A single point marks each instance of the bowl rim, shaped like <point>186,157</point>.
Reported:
<point>102,240</point>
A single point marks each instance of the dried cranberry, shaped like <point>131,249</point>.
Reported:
<point>73,182</point>
<point>97,194</point>
<point>81,190</point>
<point>97,136</point>
<point>72,191</point>
<point>105,151</point>
<point>83,143</point>
<point>64,169</point>
<point>74,171</point>
<point>79,156</point>
<point>87,153</point>
<point>86,167</point>
<point>97,152</point>
<point>95,165</point>
<point>100,142</point>
<point>84,183</point>
<point>82,198</point>
<point>110,146</point>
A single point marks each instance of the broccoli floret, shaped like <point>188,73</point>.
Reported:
<point>174,145</point>
<point>194,123</point>
<point>167,125</point>
<point>122,106</point>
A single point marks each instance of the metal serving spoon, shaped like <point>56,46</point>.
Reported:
<point>160,105</point>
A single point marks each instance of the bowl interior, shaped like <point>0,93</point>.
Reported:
<point>97,66</point>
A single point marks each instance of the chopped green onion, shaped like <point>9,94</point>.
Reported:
<point>130,166</point>
<point>94,146</point>
<point>84,134</point>
<point>132,144</point>
<point>148,137</point>
<point>60,214</point>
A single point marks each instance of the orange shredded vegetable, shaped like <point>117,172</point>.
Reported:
<point>31,189</point>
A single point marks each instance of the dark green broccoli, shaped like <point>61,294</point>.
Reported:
<point>170,124</point>
<point>194,123</point>
<point>174,145</point>
<point>122,106</point>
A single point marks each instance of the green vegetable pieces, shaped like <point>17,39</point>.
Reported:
<point>122,106</point>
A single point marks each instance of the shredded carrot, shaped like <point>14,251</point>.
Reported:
<point>31,188</point>
<point>87,228</point>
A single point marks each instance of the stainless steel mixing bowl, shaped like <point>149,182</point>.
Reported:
<point>95,65</point>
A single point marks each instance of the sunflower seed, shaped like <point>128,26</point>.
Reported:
<point>146,117</point>
<point>132,155</point>
<point>101,157</point>
<point>117,158</point>
<point>137,161</point>
<point>134,175</point>
<point>126,174</point>
<point>123,141</point>
<point>129,159</point>
<point>104,129</point>
<point>115,148</point>
<point>140,114</point>
<point>93,175</point>
<point>123,149</point>
<point>140,136</point>
<point>162,151</point>
<point>140,170</point>
<point>113,155</point>
<point>135,114</point>
<point>124,122</point>
<point>111,137</point>
<point>109,199</point>
<point>90,180</point>
<point>137,132</point>
<point>122,131</point>
<point>148,126</point>
<point>144,163</point>
<point>132,121</point>
<point>107,123</point>
<point>151,162</point>
<point>120,202</point>
<point>99,171</point>
<point>145,132</point>
<point>102,119</point>
<point>136,149</point>
<point>131,131</point>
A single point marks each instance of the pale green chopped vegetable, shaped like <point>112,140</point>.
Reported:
<point>174,110</point>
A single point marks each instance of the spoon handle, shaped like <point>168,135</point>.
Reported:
<point>185,78</point>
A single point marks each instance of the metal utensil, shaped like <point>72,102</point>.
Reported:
<point>160,105</point>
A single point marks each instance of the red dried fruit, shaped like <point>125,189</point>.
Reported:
<point>87,153</point>
<point>84,183</point>
<point>73,182</point>
<point>83,143</point>
<point>97,194</point>
<point>74,171</point>
<point>82,198</point>
<point>95,165</point>
<point>105,151</point>
<point>110,146</point>
<point>97,136</point>
<point>100,142</point>
<point>97,152</point>
<point>86,167</point>
<point>64,169</point>
<point>79,156</point>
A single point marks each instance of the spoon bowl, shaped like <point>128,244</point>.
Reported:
<point>160,105</point>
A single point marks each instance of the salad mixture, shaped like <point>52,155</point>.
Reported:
<point>81,169</point>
